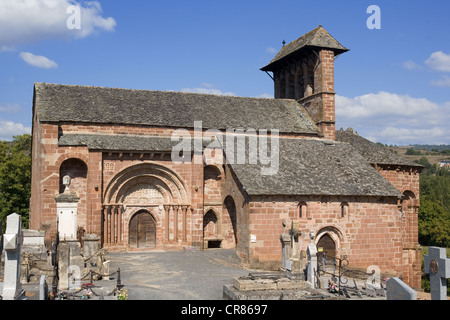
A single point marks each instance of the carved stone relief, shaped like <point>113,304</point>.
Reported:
<point>143,194</point>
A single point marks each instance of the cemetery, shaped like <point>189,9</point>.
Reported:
<point>79,270</point>
<point>68,272</point>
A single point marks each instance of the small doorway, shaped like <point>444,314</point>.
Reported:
<point>327,246</point>
<point>142,230</point>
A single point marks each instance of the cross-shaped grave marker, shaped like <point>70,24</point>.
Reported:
<point>437,265</point>
<point>12,288</point>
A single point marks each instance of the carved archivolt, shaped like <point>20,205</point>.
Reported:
<point>147,184</point>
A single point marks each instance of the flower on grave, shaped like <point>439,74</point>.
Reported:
<point>331,286</point>
<point>86,294</point>
<point>122,295</point>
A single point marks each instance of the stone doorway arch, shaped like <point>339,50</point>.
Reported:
<point>329,240</point>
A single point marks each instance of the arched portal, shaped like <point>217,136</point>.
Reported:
<point>142,231</point>
<point>327,246</point>
<point>139,196</point>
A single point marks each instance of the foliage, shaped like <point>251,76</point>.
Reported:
<point>434,224</point>
<point>15,178</point>
<point>411,151</point>
<point>434,212</point>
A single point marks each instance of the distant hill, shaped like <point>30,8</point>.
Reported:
<point>434,153</point>
<point>431,147</point>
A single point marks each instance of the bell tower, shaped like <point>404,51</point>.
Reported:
<point>304,70</point>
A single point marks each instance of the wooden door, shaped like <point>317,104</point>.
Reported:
<point>142,230</point>
<point>326,245</point>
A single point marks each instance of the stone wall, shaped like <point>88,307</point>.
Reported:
<point>368,232</point>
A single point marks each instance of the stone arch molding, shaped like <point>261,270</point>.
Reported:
<point>334,232</point>
<point>146,182</point>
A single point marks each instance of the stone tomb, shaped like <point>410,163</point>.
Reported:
<point>266,286</point>
<point>396,289</point>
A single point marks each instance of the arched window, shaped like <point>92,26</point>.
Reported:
<point>76,169</point>
<point>407,195</point>
<point>210,225</point>
<point>229,221</point>
<point>408,202</point>
<point>302,210</point>
<point>344,209</point>
<point>211,183</point>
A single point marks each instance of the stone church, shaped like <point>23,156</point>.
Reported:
<point>352,197</point>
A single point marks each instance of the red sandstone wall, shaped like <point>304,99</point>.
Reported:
<point>369,234</point>
<point>407,179</point>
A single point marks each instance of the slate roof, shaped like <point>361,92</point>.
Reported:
<point>84,104</point>
<point>315,167</point>
<point>372,152</point>
<point>318,37</point>
<point>117,142</point>
<point>306,166</point>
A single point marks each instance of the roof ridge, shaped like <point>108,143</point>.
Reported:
<point>37,84</point>
<point>307,40</point>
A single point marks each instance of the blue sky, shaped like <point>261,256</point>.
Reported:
<point>393,86</point>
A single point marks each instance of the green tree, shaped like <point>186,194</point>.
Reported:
<point>412,152</point>
<point>15,178</point>
<point>434,224</point>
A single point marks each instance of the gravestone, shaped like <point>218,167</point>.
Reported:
<point>312,265</point>
<point>70,265</point>
<point>285,239</point>
<point>396,289</point>
<point>295,232</point>
<point>12,287</point>
<point>437,265</point>
<point>70,261</point>
<point>67,209</point>
<point>43,288</point>
<point>90,246</point>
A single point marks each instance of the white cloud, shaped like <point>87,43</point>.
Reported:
<point>404,136</point>
<point>10,108</point>
<point>443,82</point>
<point>411,65</point>
<point>38,61</point>
<point>30,21</point>
<point>395,119</point>
<point>207,85</point>
<point>271,50</point>
<point>382,103</point>
<point>439,61</point>
<point>8,129</point>
<point>208,91</point>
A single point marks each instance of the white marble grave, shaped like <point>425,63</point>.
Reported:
<point>12,242</point>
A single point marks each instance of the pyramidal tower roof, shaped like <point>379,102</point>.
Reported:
<point>318,37</point>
